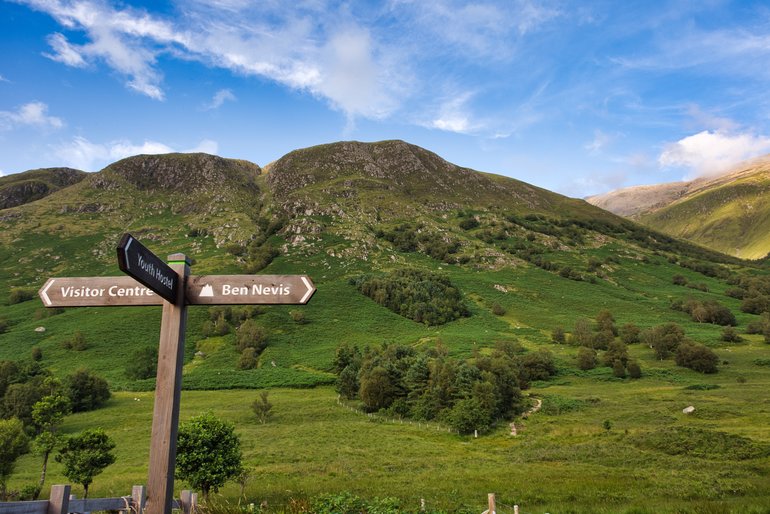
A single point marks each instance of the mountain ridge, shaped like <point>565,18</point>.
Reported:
<point>729,213</point>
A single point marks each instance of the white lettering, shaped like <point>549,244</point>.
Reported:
<point>261,290</point>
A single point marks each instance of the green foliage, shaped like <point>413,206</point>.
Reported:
<point>558,335</point>
<point>86,390</point>
<point>730,335</point>
<point>13,444</point>
<point>21,294</point>
<point>709,311</point>
<point>37,354</point>
<point>86,455</point>
<point>208,453</point>
<point>262,407</point>
<point>144,364</point>
<point>422,296</point>
<point>663,339</point>
<point>468,415</point>
<point>586,358</point>
<point>630,333</point>
<point>697,357</point>
<point>251,335</point>
<point>634,369</point>
<point>248,359</point>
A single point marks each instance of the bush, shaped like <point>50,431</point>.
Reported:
<point>498,310</point>
<point>558,335</point>
<point>468,415</point>
<point>618,369</point>
<point>86,391</point>
<point>629,333</point>
<point>730,335</point>
<point>696,357</point>
<point>248,359</point>
<point>251,335</point>
<point>538,365</point>
<point>21,294</point>
<point>634,369</point>
<point>37,354</point>
<point>144,364</point>
<point>469,223</point>
<point>586,358</point>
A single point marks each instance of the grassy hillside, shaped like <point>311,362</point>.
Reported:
<point>21,188</point>
<point>730,213</point>
<point>526,261</point>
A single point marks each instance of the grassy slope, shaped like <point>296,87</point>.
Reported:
<point>313,445</point>
<point>729,216</point>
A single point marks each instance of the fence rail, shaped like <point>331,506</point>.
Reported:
<point>62,502</point>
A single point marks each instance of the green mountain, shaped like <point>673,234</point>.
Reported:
<point>21,188</point>
<point>729,213</point>
<point>383,218</point>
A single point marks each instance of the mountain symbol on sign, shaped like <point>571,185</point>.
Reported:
<point>207,291</point>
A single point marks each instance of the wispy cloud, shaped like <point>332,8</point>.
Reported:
<point>3,79</point>
<point>83,154</point>
<point>220,97</point>
<point>30,114</point>
<point>712,153</point>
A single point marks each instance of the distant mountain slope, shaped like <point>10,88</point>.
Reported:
<point>21,188</point>
<point>729,213</point>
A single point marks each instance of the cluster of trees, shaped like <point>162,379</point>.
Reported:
<point>33,407</point>
<point>754,293</point>
<point>666,340</point>
<point>466,394</point>
<point>708,311</point>
<point>250,338</point>
<point>413,238</point>
<point>606,336</point>
<point>760,326</point>
<point>422,296</point>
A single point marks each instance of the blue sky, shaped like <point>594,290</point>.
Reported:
<point>579,97</point>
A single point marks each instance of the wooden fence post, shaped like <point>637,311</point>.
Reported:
<point>138,499</point>
<point>59,500</point>
<point>188,501</point>
<point>491,498</point>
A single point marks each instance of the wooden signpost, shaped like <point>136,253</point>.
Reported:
<point>151,281</point>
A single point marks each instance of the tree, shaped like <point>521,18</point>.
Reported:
<point>468,415</point>
<point>13,444</point>
<point>586,358</point>
<point>696,357</point>
<point>48,414</point>
<point>558,335</point>
<point>86,455</point>
<point>86,390</point>
<point>581,334</point>
<point>251,335</point>
<point>262,408</point>
<point>208,453</point>
<point>377,391</point>
<point>629,333</point>
<point>144,364</point>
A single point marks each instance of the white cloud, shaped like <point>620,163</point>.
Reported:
<point>220,97</point>
<point>64,52</point>
<point>453,115</point>
<point>3,79</point>
<point>711,153</point>
<point>82,154</point>
<point>599,142</point>
<point>32,114</point>
<point>2,174</point>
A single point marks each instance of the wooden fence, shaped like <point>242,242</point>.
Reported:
<point>62,502</point>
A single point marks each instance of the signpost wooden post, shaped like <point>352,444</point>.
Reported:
<point>151,281</point>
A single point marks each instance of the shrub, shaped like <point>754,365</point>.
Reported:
<point>498,310</point>
<point>586,358</point>
<point>20,294</point>
<point>634,369</point>
<point>558,335</point>
<point>730,335</point>
<point>618,369</point>
<point>144,364</point>
<point>298,317</point>
<point>248,359</point>
<point>251,335</point>
<point>469,223</point>
<point>538,365</point>
<point>629,333</point>
<point>86,391</point>
<point>696,357</point>
<point>37,354</point>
